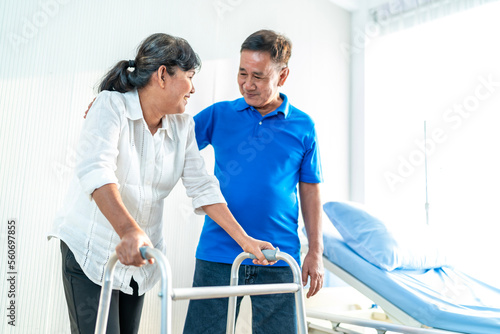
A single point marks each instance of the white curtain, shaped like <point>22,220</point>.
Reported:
<point>396,15</point>
<point>444,73</point>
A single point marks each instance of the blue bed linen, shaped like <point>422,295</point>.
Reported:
<point>441,298</point>
<point>374,241</point>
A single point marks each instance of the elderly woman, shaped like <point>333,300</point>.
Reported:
<point>135,145</point>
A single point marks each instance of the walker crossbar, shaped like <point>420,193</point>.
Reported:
<point>229,291</point>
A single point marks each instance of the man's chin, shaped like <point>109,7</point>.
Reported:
<point>251,101</point>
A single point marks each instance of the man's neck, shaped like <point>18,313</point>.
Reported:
<point>271,106</point>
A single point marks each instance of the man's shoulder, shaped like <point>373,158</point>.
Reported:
<point>297,114</point>
<point>220,107</point>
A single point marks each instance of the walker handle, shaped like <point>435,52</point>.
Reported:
<point>270,254</point>
<point>143,251</point>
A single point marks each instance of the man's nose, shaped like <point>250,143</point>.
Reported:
<point>249,84</point>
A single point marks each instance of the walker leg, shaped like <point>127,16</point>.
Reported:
<point>165,295</point>
<point>297,279</point>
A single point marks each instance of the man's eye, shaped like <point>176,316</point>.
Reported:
<point>243,74</point>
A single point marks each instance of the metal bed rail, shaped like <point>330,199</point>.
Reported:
<point>380,326</point>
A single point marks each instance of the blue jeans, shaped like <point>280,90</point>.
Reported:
<point>272,314</point>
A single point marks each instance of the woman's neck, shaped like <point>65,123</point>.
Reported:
<point>152,115</point>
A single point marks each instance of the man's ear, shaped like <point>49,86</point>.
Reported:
<point>283,75</point>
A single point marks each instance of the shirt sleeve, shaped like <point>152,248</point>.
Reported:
<point>98,148</point>
<point>310,168</point>
<point>204,126</point>
<point>200,186</point>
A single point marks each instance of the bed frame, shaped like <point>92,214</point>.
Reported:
<point>403,322</point>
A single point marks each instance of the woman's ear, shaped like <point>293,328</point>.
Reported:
<point>161,73</point>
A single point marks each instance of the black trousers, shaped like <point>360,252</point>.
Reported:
<point>82,297</point>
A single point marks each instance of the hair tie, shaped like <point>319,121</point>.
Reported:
<point>131,63</point>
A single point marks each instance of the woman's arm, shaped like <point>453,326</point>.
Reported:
<point>221,215</point>
<point>98,151</point>
<point>132,237</point>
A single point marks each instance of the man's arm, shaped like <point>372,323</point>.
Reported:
<point>310,203</point>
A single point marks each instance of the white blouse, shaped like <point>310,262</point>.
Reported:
<point>116,146</point>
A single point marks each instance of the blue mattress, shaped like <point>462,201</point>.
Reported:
<point>441,298</point>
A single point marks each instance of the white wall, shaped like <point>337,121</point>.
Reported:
<point>53,52</point>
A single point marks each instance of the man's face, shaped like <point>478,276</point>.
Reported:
<point>259,79</point>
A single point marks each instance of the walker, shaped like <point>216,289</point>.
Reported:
<point>168,294</point>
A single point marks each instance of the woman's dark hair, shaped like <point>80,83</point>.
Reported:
<point>277,45</point>
<point>154,51</point>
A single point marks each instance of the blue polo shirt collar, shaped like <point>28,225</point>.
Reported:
<point>284,108</point>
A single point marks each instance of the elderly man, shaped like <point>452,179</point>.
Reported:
<point>263,148</point>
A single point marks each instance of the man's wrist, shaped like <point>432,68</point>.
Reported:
<point>316,248</point>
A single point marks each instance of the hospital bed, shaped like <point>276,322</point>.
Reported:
<point>418,296</point>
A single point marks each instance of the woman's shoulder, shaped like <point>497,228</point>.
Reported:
<point>181,120</point>
<point>110,97</point>
<point>114,102</point>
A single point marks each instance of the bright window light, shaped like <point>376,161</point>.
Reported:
<point>445,73</point>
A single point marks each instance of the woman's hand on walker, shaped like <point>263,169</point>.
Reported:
<point>128,249</point>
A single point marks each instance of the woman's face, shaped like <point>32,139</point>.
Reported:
<point>178,89</point>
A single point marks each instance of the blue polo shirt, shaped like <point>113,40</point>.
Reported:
<point>259,162</point>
